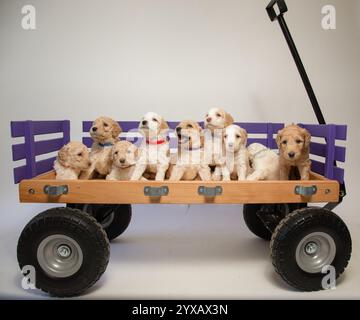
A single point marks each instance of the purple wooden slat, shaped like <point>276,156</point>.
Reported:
<point>341,132</point>
<point>19,174</point>
<point>41,147</point>
<point>338,174</point>
<point>29,149</point>
<point>317,167</point>
<point>87,141</point>
<point>18,151</point>
<point>330,152</point>
<point>45,165</point>
<point>319,149</point>
<point>39,127</point>
<point>17,128</point>
<point>340,153</point>
<point>131,125</point>
<point>66,132</point>
<point>47,146</point>
<point>318,130</point>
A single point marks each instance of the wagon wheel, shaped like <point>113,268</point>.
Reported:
<point>67,248</point>
<point>307,244</point>
<point>114,218</point>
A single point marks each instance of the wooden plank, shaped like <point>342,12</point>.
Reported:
<point>184,192</point>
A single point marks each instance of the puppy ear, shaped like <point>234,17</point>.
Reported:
<point>228,119</point>
<point>163,125</point>
<point>63,155</point>
<point>245,135</point>
<point>116,129</point>
<point>278,138</point>
<point>307,138</point>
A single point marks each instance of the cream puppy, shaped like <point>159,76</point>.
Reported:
<point>72,159</point>
<point>264,163</point>
<point>124,155</point>
<point>154,151</point>
<point>190,162</point>
<point>237,160</point>
<point>216,120</point>
<point>104,132</point>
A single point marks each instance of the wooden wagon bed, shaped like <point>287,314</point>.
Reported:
<point>183,192</point>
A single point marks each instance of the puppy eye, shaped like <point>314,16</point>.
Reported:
<point>238,136</point>
<point>80,154</point>
<point>129,151</point>
<point>105,124</point>
<point>218,115</point>
<point>226,136</point>
<point>284,142</point>
<point>298,141</point>
<point>116,152</point>
<point>189,126</point>
<point>156,120</point>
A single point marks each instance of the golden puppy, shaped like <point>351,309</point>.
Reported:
<point>104,132</point>
<point>72,159</point>
<point>154,151</point>
<point>190,162</point>
<point>216,120</point>
<point>124,155</point>
<point>294,148</point>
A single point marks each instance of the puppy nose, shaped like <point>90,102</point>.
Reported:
<point>208,119</point>
<point>144,122</point>
<point>291,154</point>
<point>122,160</point>
<point>94,129</point>
<point>89,163</point>
<point>230,145</point>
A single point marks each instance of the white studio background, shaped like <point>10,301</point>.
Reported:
<point>123,58</point>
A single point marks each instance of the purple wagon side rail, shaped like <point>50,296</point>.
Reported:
<point>326,152</point>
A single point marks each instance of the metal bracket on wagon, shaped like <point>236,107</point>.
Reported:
<point>55,191</point>
<point>210,191</point>
<point>156,191</point>
<point>305,191</point>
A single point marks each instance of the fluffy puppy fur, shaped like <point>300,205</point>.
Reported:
<point>216,120</point>
<point>294,149</point>
<point>264,163</point>
<point>124,156</point>
<point>72,159</point>
<point>154,151</point>
<point>105,133</point>
<point>236,159</point>
<point>190,163</point>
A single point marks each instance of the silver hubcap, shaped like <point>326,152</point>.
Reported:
<point>315,251</point>
<point>59,256</point>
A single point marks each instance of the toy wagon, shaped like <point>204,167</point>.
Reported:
<point>69,245</point>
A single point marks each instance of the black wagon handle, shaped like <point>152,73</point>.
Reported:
<point>273,11</point>
<point>276,10</point>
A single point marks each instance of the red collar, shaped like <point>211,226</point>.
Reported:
<point>155,141</point>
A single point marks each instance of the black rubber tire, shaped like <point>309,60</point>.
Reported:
<point>77,225</point>
<point>288,235</point>
<point>120,215</point>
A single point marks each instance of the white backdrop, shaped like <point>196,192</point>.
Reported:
<point>123,58</point>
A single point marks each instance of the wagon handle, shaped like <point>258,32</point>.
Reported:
<point>277,13</point>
